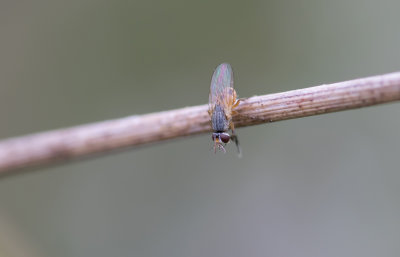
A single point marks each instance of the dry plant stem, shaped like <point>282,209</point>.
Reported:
<point>64,144</point>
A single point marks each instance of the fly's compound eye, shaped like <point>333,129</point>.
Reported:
<point>225,137</point>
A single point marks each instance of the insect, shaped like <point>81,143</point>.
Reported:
<point>222,102</point>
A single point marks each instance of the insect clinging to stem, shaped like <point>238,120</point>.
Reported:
<point>222,102</point>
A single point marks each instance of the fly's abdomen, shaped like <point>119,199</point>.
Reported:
<point>218,120</point>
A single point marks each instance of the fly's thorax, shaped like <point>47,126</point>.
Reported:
<point>219,121</point>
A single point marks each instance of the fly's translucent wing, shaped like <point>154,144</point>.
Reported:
<point>221,85</point>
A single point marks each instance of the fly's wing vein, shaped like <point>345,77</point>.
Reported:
<point>221,87</point>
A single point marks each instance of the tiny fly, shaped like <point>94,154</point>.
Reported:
<point>222,101</point>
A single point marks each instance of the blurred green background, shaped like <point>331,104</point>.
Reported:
<point>319,186</point>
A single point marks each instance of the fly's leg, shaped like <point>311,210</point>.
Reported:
<point>236,104</point>
<point>232,127</point>
<point>235,139</point>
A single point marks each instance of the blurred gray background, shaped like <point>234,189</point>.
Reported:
<point>319,186</point>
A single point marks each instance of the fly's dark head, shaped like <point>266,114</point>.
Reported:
<point>220,138</point>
